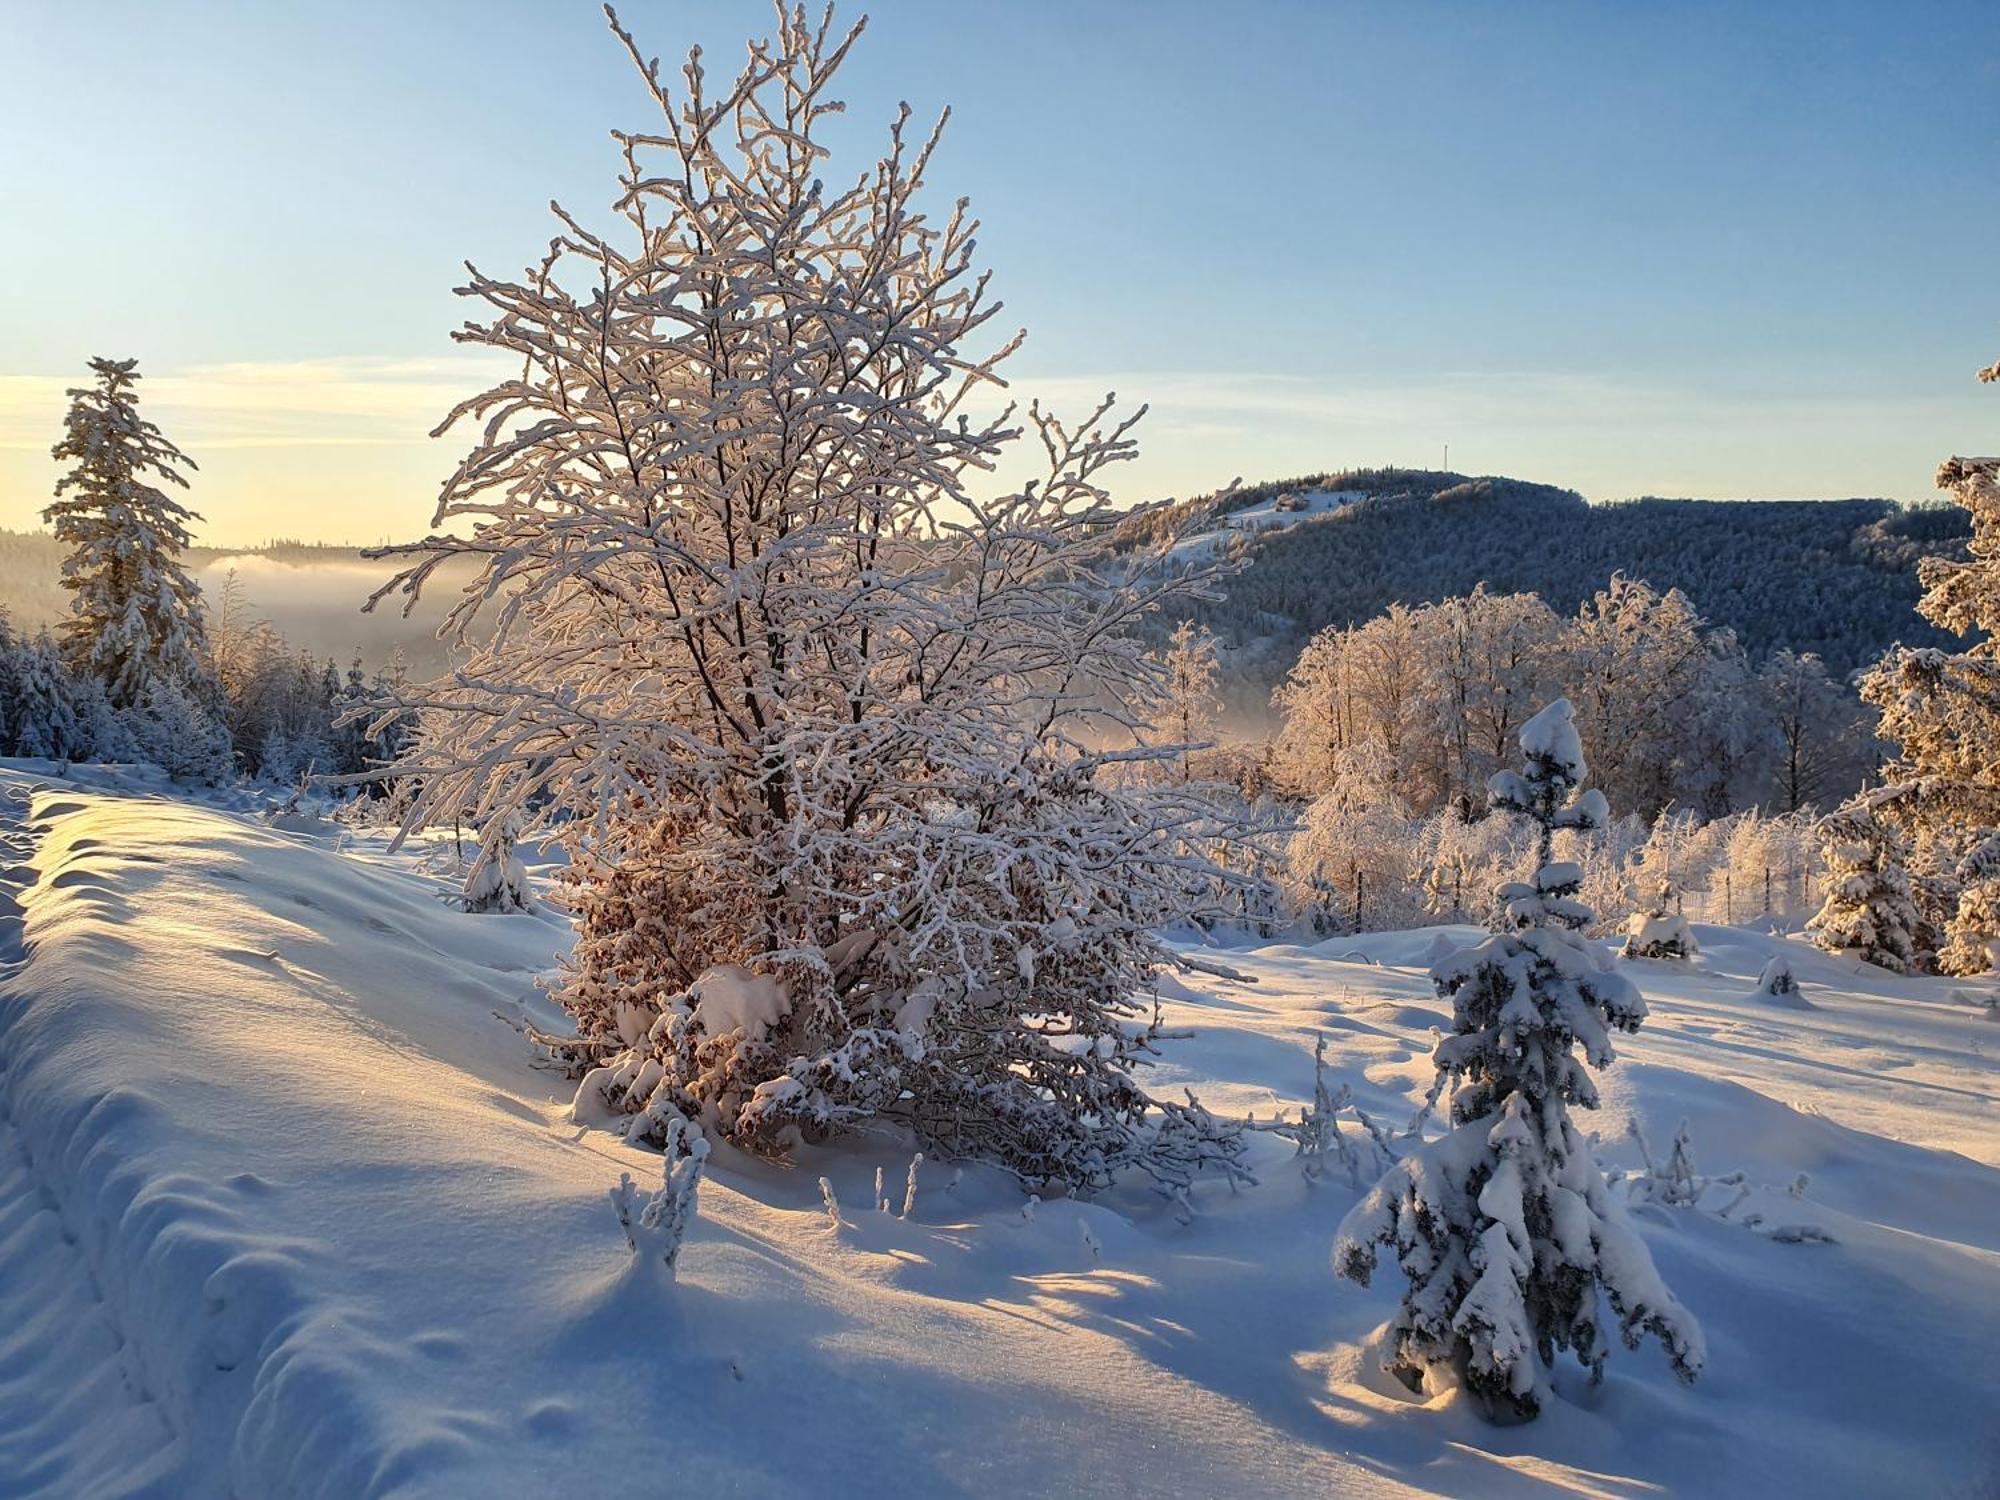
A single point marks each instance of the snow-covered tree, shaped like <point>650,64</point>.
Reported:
<point>1505,1228</point>
<point>1191,702</point>
<point>1659,930</point>
<point>1822,740</point>
<point>135,613</point>
<point>806,702</point>
<point>1869,909</point>
<point>498,881</point>
<point>177,733</point>
<point>1942,709</point>
<point>44,718</point>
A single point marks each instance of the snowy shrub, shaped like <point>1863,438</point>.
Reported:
<point>656,1229</point>
<point>800,700</point>
<point>1505,1227</point>
<point>1779,985</point>
<point>1659,931</point>
<point>1317,1134</point>
<point>498,881</point>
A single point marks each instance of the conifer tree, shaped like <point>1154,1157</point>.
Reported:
<point>1870,910</point>
<point>135,614</point>
<point>1942,709</point>
<point>1505,1227</point>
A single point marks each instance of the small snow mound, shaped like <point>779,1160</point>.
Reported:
<point>728,997</point>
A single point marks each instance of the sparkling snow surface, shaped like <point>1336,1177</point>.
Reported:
<point>285,1210</point>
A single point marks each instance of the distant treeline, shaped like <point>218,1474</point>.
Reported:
<point>1833,577</point>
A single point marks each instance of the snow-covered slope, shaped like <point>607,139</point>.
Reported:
<point>285,1210</point>
<point>1275,514</point>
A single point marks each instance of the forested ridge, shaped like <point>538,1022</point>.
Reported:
<point>1834,577</point>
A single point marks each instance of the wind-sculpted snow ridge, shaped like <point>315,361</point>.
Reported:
<point>349,1243</point>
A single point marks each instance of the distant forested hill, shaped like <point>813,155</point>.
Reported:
<point>1836,577</point>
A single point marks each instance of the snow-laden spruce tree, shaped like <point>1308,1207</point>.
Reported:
<point>1870,910</point>
<point>1942,709</point>
<point>135,614</point>
<point>840,740</point>
<point>1504,1227</point>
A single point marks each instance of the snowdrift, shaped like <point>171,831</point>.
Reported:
<point>285,1210</point>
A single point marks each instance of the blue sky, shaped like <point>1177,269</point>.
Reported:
<point>1666,248</point>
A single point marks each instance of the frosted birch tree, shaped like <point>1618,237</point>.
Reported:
<point>1505,1228</point>
<point>836,727</point>
<point>1189,682</point>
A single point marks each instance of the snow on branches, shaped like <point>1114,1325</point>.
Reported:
<point>1505,1227</point>
<point>135,614</point>
<point>1941,795</point>
<point>798,692</point>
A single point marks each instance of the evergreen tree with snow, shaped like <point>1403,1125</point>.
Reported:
<point>46,719</point>
<point>1505,1228</point>
<point>1870,910</point>
<point>135,613</point>
<point>753,635</point>
<point>498,881</point>
<point>1942,709</point>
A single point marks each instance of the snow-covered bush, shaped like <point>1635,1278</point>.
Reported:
<point>1317,1135</point>
<point>1659,931</point>
<point>1777,984</point>
<point>1505,1227</point>
<point>498,881</point>
<point>798,697</point>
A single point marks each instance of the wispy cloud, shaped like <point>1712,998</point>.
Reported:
<point>355,401</point>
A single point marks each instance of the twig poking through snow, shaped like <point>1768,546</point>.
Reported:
<point>657,1228</point>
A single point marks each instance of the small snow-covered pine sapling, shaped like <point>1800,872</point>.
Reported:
<point>910,1185</point>
<point>1777,982</point>
<point>1505,1228</point>
<point>1870,909</point>
<point>829,1202</point>
<point>1680,1186</point>
<point>656,1229</point>
<point>1028,1209</point>
<point>881,1192</point>
<point>1660,931</point>
<point>498,881</point>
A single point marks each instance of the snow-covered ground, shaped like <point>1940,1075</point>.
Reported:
<point>286,1209</point>
<point>1267,515</point>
